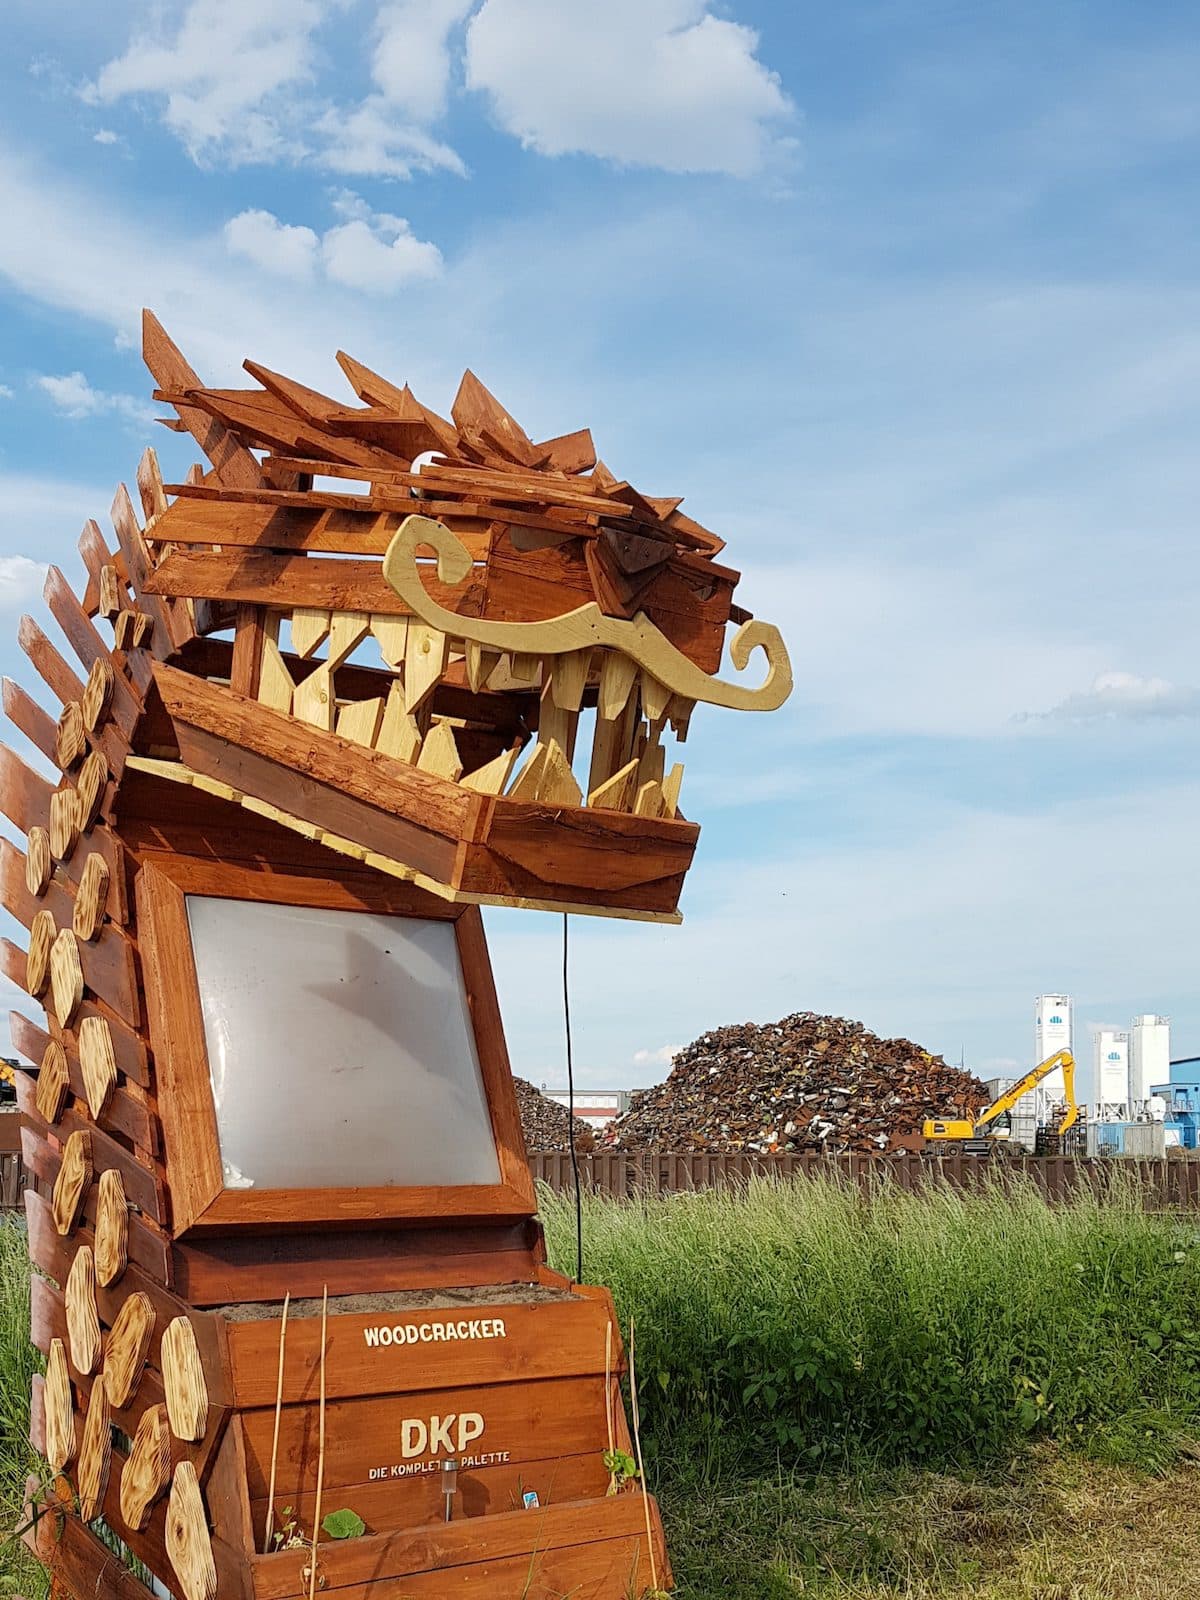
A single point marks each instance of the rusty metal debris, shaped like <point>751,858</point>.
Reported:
<point>807,1082</point>
<point>547,1124</point>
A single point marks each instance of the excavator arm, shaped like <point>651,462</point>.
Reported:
<point>942,1129</point>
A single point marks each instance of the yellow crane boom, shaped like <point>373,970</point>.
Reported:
<point>940,1128</point>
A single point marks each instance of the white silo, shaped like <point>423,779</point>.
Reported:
<point>1110,1075</point>
<point>1149,1058</point>
<point>1054,1030</point>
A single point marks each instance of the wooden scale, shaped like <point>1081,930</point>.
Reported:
<point>335,718</point>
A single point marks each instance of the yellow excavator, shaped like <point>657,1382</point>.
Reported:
<point>991,1126</point>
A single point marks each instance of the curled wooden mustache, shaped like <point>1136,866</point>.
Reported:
<point>586,626</point>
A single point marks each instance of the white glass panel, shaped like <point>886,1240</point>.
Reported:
<point>340,1048</point>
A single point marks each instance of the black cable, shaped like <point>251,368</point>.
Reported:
<point>571,1113</point>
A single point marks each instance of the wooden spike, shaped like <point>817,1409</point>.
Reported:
<point>616,680</point>
<point>93,778</point>
<point>424,663</point>
<point>649,800</point>
<point>83,1319</point>
<point>679,715</point>
<point>42,934</point>
<point>98,693</point>
<point>313,701</point>
<point>95,1454</point>
<point>127,1348</point>
<point>91,898</point>
<point>73,1181</point>
<point>526,786</point>
<point>66,976</point>
<point>97,1063</point>
<point>70,736</point>
<point>670,789</point>
<point>275,686</point>
<point>557,785</point>
<point>187,1538</point>
<point>110,591</point>
<point>64,823</point>
<point>360,721</point>
<point>656,697</point>
<point>568,678</point>
<point>150,485</point>
<point>309,630</point>
<point>112,1228</point>
<point>53,1082</point>
<point>147,1472</point>
<point>616,793</point>
<point>490,779</point>
<point>399,734</point>
<point>391,634</point>
<point>59,1407</point>
<point>439,753</point>
<point>183,1381</point>
<point>481,664</point>
<point>38,863</point>
<point>347,630</point>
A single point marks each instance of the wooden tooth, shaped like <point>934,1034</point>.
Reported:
<point>313,701</point>
<point>491,779</point>
<point>616,680</point>
<point>309,630</point>
<point>439,753</point>
<point>424,663</point>
<point>399,735</point>
<point>275,686</point>
<point>347,630</point>
<point>616,793</point>
<point>360,719</point>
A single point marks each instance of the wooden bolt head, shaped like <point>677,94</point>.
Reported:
<point>183,1381</point>
<point>143,626</point>
<point>123,629</point>
<point>187,1539</point>
<point>64,823</point>
<point>98,1063</point>
<point>91,898</point>
<point>42,934</point>
<point>53,1082</point>
<point>70,737</point>
<point>95,1453</point>
<point>148,1469</point>
<point>127,1347</point>
<point>93,776</point>
<point>83,1319</point>
<point>98,693</point>
<point>59,1408</point>
<point>66,976</point>
<point>112,1228</point>
<point>38,863</point>
<point>74,1179</point>
<point>110,593</point>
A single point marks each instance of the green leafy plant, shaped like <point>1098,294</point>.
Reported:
<point>288,1536</point>
<point>621,1469</point>
<point>344,1524</point>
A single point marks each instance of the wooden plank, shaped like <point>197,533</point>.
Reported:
<point>78,1563</point>
<point>142,1186</point>
<point>554,1339</point>
<point>25,801</point>
<point>232,462</point>
<point>128,1049</point>
<point>37,726</point>
<point>287,581</point>
<point>295,527</point>
<point>148,1249</point>
<point>65,684</point>
<point>80,632</point>
<point>124,1114</point>
<point>108,964</point>
<point>172,624</point>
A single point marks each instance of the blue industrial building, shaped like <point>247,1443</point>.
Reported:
<point>1182,1095</point>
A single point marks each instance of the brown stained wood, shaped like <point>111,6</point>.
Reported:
<point>172,624</point>
<point>129,1049</point>
<point>38,863</point>
<point>127,1112</point>
<point>25,713</point>
<point>318,582</point>
<point>59,1408</point>
<point>73,1181</point>
<point>147,1472</point>
<point>149,1250</point>
<point>140,1178</point>
<point>83,1319</point>
<point>150,485</point>
<point>98,693</point>
<point>51,667</point>
<point>42,934</point>
<point>93,777</point>
<point>65,823</point>
<point>26,799</point>
<point>126,1348</point>
<point>232,463</point>
<point>97,1063</point>
<point>85,640</point>
<point>112,1228</point>
<point>95,1453</point>
<point>53,1081</point>
<point>123,629</point>
<point>66,977</point>
<point>70,737</point>
<point>75,1557</point>
<point>91,898</point>
<point>188,1542</point>
<point>183,1381</point>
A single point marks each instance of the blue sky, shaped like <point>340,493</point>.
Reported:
<point>902,297</point>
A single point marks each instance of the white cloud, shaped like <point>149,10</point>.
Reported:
<point>411,64</point>
<point>661,83</point>
<point>662,1057</point>
<point>229,71</point>
<point>1124,697</point>
<point>21,580</point>
<point>373,141</point>
<point>373,251</point>
<point>273,245</point>
<point>5,392</point>
<point>106,136</point>
<point>73,396</point>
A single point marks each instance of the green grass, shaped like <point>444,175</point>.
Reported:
<point>19,1574</point>
<point>807,1324</point>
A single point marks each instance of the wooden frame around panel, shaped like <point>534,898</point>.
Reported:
<point>199,1198</point>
